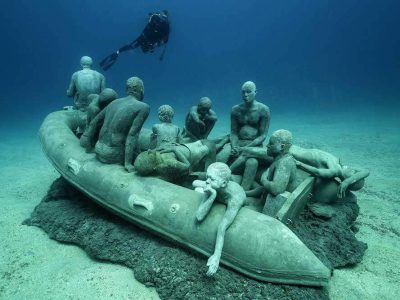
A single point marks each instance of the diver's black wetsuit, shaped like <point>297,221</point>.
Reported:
<point>155,34</point>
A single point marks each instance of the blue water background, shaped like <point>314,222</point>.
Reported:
<point>306,56</point>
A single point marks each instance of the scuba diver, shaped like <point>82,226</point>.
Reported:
<point>155,34</point>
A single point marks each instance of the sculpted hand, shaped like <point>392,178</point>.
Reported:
<point>130,168</point>
<point>235,151</point>
<point>166,149</point>
<point>212,263</point>
<point>202,125</point>
<point>298,163</point>
<point>342,190</point>
<point>199,183</point>
<point>210,190</point>
<point>84,141</point>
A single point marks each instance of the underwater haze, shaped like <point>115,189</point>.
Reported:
<point>329,70</point>
<point>313,55</point>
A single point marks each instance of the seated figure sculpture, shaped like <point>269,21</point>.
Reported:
<point>199,121</point>
<point>121,122</point>
<point>334,180</point>
<point>99,102</point>
<point>249,126</point>
<point>85,82</point>
<point>164,132</point>
<point>175,161</point>
<point>219,186</point>
<point>281,175</point>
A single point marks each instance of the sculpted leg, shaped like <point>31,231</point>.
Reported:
<point>238,164</point>
<point>273,204</point>
<point>211,155</point>
<point>224,154</point>
<point>92,112</point>
<point>249,174</point>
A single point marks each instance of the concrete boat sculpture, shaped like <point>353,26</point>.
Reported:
<point>256,245</point>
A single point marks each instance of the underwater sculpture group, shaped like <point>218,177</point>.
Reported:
<point>257,244</point>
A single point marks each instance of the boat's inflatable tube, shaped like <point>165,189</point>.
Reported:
<point>256,245</point>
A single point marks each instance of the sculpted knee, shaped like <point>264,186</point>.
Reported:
<point>252,163</point>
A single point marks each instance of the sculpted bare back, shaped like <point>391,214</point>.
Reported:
<point>114,133</point>
<point>314,157</point>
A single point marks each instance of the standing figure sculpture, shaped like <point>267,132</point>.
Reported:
<point>85,82</point>
<point>121,122</point>
<point>219,186</point>
<point>199,121</point>
<point>249,127</point>
<point>164,132</point>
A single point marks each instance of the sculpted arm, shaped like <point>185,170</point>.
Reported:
<point>234,128</point>
<point>131,144</point>
<point>72,88</point>
<point>280,180</point>
<point>254,152</point>
<point>194,114</point>
<point>359,175</point>
<point>153,137</point>
<point>205,206</point>
<point>319,172</point>
<point>235,202</point>
<point>181,158</point>
<point>87,138</point>
<point>103,83</point>
<point>212,118</point>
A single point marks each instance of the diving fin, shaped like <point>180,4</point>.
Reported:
<point>107,62</point>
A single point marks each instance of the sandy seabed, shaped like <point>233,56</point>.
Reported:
<point>34,267</point>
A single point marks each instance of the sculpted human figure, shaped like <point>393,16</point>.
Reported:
<point>334,180</point>
<point>199,121</point>
<point>99,102</point>
<point>249,126</point>
<point>121,122</point>
<point>219,186</point>
<point>174,161</point>
<point>85,82</point>
<point>281,175</point>
<point>164,132</point>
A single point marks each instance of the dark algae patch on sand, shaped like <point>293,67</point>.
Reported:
<point>67,215</point>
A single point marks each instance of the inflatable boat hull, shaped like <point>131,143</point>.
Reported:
<point>256,245</point>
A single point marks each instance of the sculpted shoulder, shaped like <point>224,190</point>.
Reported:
<point>75,74</point>
<point>263,108</point>
<point>143,105</point>
<point>289,161</point>
<point>98,74</point>
<point>236,190</point>
<point>236,109</point>
<point>212,114</point>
